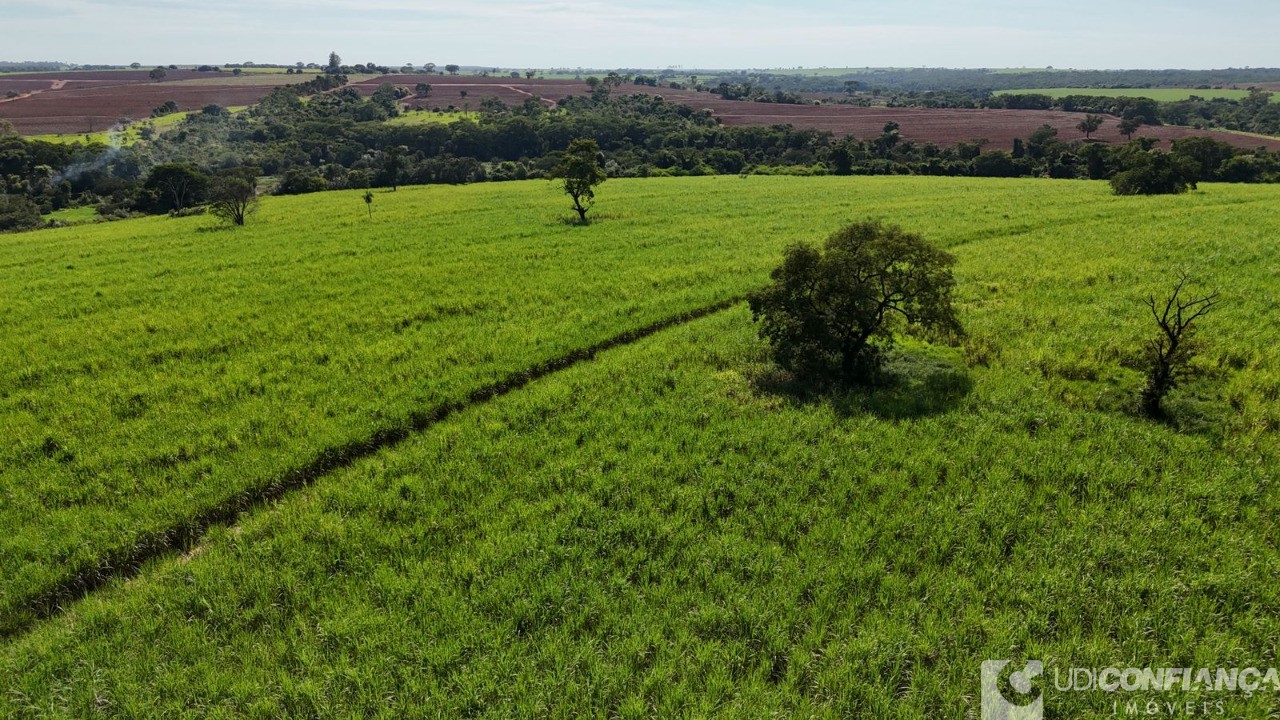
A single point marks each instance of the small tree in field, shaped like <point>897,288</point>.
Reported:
<point>1090,125</point>
<point>232,198</point>
<point>368,202</point>
<point>1129,126</point>
<point>830,313</point>
<point>581,172</point>
<point>1169,354</point>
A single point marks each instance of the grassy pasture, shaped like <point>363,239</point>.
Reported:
<point>427,117</point>
<point>1161,94</point>
<point>157,370</point>
<point>663,531</point>
<point>75,216</point>
<point>667,531</point>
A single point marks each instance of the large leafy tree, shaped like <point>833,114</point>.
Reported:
<point>581,171</point>
<point>177,186</point>
<point>1151,172</point>
<point>829,313</point>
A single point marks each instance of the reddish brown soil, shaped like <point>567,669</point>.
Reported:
<point>944,127</point>
<point>91,102</point>
<point>98,99</point>
<point>117,77</point>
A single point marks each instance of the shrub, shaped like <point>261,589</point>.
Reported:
<point>18,212</point>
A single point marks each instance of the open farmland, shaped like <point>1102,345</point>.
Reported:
<point>93,102</point>
<point>81,79</point>
<point>663,531</point>
<point>940,126</point>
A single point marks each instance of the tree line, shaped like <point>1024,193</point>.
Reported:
<point>339,139</point>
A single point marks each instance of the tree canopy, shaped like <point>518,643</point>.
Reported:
<point>581,172</point>
<point>830,312</point>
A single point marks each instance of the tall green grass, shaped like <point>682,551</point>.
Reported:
<point>666,533</point>
<point>155,369</point>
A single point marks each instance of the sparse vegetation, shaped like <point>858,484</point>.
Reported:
<point>1169,354</point>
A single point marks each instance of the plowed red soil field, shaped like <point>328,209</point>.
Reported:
<point>94,101</point>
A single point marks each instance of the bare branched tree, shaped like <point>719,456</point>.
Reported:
<point>1169,354</point>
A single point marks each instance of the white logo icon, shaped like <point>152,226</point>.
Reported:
<point>995,706</point>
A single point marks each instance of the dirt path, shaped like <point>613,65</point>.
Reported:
<point>23,96</point>
<point>552,103</point>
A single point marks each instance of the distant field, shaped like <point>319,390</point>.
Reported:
<point>93,107</point>
<point>819,72</point>
<point>273,71</point>
<point>431,118</point>
<point>1162,94</point>
<point>130,135</point>
<point>82,103</point>
<point>663,530</point>
<point>945,127</point>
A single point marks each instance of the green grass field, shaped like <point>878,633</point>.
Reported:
<point>414,119</point>
<point>75,216</point>
<point>1161,94</point>
<point>663,531</point>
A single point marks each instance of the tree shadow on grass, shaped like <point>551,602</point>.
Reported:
<point>909,385</point>
<point>221,227</point>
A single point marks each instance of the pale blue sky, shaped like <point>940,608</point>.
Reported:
<point>655,33</point>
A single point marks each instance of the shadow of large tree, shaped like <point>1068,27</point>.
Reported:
<point>910,383</point>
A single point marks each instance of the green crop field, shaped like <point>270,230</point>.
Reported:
<point>663,530</point>
<point>1162,94</point>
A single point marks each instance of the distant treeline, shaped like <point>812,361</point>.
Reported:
<point>341,140</point>
<point>31,66</point>
<point>1255,113</point>
<point>947,80</point>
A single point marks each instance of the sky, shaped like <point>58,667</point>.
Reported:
<point>705,34</point>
